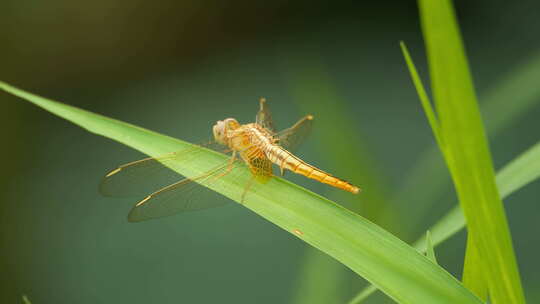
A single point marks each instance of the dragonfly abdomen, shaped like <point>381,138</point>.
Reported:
<point>286,160</point>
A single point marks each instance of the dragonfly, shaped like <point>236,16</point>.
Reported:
<point>256,146</point>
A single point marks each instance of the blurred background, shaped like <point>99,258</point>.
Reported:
<point>178,66</point>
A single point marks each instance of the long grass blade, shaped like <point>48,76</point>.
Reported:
<point>424,99</point>
<point>466,150</point>
<point>399,270</point>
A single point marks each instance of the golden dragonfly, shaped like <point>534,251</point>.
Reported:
<point>256,145</point>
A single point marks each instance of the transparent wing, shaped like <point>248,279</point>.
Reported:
<point>291,138</point>
<point>261,168</point>
<point>146,175</point>
<point>264,117</point>
<point>185,195</point>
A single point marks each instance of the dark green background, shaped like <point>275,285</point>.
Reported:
<point>178,66</point>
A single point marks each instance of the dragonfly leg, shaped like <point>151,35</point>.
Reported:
<point>231,163</point>
<point>248,185</point>
<point>230,166</point>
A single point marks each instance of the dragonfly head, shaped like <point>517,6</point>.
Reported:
<point>222,127</point>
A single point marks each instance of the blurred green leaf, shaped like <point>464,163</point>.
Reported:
<point>363,294</point>
<point>26,300</point>
<point>466,150</point>
<point>430,251</point>
<point>320,280</point>
<point>315,92</point>
<point>513,95</point>
<point>520,171</point>
<point>399,270</point>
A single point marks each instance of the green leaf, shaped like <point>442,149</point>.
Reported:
<point>424,99</point>
<point>430,251</point>
<point>400,271</point>
<point>466,150</point>
<point>520,86</point>
<point>473,274</point>
<point>521,171</point>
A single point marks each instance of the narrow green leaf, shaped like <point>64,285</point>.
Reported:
<point>521,171</point>
<point>430,251</point>
<point>400,271</point>
<point>424,99</point>
<point>473,274</point>
<point>466,150</point>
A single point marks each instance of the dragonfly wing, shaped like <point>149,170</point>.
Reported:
<point>264,117</point>
<point>292,137</point>
<point>261,168</point>
<point>185,195</point>
<point>146,175</point>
